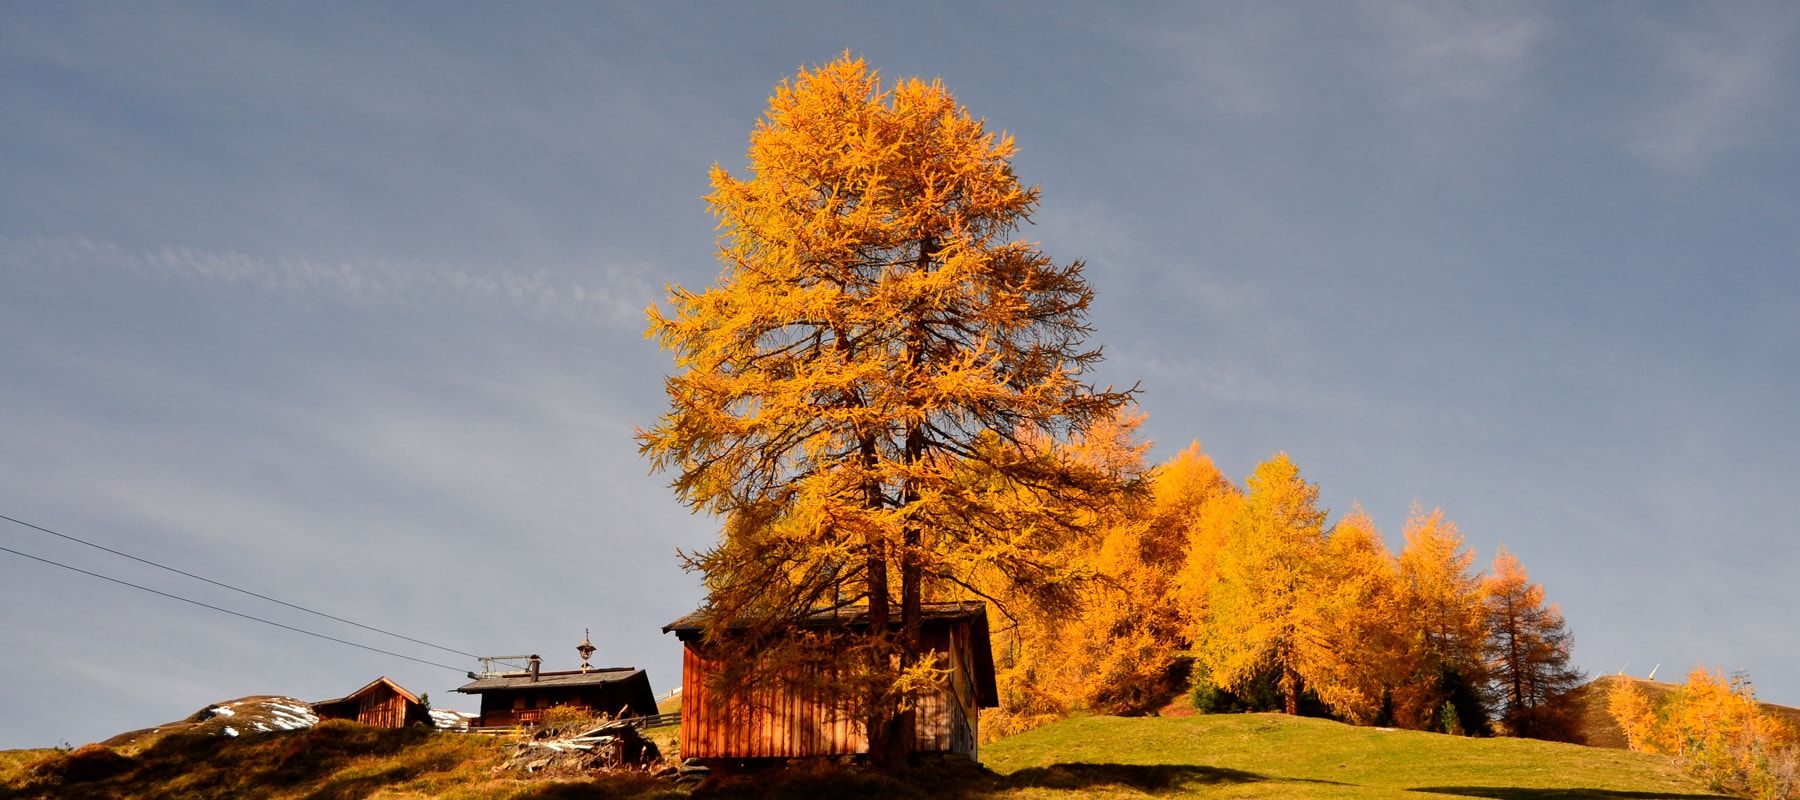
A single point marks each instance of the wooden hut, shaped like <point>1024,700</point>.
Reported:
<point>789,721</point>
<point>520,698</point>
<point>382,703</point>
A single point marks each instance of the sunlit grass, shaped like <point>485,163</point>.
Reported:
<point>1222,756</point>
<point>14,762</point>
<point>1270,755</point>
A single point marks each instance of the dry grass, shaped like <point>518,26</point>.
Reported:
<point>1236,756</point>
<point>336,760</point>
<point>14,762</point>
<point>1595,721</point>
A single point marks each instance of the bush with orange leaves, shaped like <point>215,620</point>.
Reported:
<point>1714,728</point>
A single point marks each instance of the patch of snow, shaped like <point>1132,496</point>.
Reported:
<point>444,718</point>
<point>223,711</point>
<point>290,716</point>
<point>230,731</point>
<point>261,727</point>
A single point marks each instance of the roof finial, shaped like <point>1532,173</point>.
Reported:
<point>586,649</point>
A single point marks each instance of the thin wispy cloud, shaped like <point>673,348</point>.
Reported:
<point>1112,241</point>
<point>1455,54</point>
<point>1719,87</point>
<point>1235,382</point>
<point>616,295</point>
<point>275,287</point>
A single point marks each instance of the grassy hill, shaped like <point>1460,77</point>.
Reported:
<point>1270,755</point>
<point>1597,725</point>
<point>336,760</point>
<point>1237,756</point>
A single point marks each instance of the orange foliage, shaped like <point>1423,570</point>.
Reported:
<point>1260,612</point>
<point>865,389</point>
<point>1192,491</point>
<point>1356,658</point>
<point>1715,728</point>
<point>1113,650</point>
<point>1440,601</point>
<point>1528,653</point>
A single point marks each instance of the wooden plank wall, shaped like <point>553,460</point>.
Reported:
<point>783,722</point>
<point>382,708</point>
<point>773,722</point>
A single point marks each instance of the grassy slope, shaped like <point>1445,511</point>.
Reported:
<point>1254,755</point>
<point>1598,727</point>
<point>1267,755</point>
<point>14,762</point>
<point>335,761</point>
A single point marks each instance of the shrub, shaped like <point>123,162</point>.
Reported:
<point>1452,720</point>
<point>1717,731</point>
<point>559,720</point>
<point>87,763</point>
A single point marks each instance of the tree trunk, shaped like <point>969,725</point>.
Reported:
<point>881,713</point>
<point>1290,691</point>
<point>911,601</point>
<point>911,606</point>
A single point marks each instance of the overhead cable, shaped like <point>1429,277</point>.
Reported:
<point>233,613</point>
<point>240,590</point>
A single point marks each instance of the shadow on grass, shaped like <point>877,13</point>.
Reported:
<point>1152,778</point>
<point>186,765</point>
<point>617,787</point>
<point>966,781</point>
<point>1514,793</point>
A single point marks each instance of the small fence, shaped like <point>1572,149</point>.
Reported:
<point>656,720</point>
<point>652,721</point>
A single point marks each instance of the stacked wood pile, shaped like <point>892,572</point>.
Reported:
<point>615,745</point>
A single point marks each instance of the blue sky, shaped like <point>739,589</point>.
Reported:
<point>344,304</point>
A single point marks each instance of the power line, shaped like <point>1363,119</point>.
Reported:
<point>233,613</point>
<point>224,585</point>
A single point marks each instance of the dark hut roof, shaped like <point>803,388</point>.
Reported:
<point>547,680</point>
<point>852,616</point>
<point>398,689</point>
<point>987,692</point>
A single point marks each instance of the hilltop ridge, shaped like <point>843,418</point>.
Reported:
<point>1229,755</point>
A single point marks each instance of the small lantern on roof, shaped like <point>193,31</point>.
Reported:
<point>586,649</point>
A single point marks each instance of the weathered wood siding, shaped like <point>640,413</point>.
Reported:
<point>785,722</point>
<point>382,707</point>
<point>765,723</point>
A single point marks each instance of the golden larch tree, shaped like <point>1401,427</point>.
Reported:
<point>1358,653</point>
<point>1134,620</point>
<point>1048,644</point>
<point>1192,489</point>
<point>1714,727</point>
<point>1442,603</point>
<point>1260,609</point>
<point>1528,651</point>
<point>876,328</point>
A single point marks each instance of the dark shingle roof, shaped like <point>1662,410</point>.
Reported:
<point>546,680</point>
<point>689,628</point>
<point>852,616</point>
<point>398,689</point>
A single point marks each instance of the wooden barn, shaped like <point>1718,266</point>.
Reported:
<point>383,703</point>
<point>520,698</point>
<point>783,722</point>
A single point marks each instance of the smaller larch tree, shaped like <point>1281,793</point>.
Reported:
<point>1441,601</point>
<point>1261,610</point>
<point>1528,651</point>
<point>1360,646</point>
<point>1191,489</point>
<point>1716,730</point>
<point>1136,617</point>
